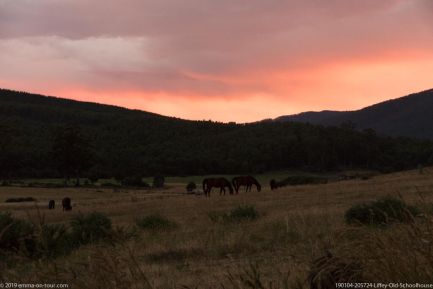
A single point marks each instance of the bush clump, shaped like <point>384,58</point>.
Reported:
<point>158,182</point>
<point>191,186</point>
<point>89,228</point>
<point>243,213</point>
<point>303,180</point>
<point>381,212</point>
<point>135,181</point>
<point>155,223</point>
<point>14,233</point>
<point>20,200</point>
<point>54,241</point>
<point>239,214</point>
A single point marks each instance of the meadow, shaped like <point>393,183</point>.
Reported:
<point>204,248</point>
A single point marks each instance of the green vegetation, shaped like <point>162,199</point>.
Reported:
<point>114,142</point>
<point>20,200</point>
<point>155,223</point>
<point>89,228</point>
<point>302,180</point>
<point>191,186</point>
<point>13,233</point>
<point>238,214</point>
<point>158,182</point>
<point>381,212</point>
<point>54,241</point>
<point>49,241</point>
<point>135,181</point>
<point>71,153</point>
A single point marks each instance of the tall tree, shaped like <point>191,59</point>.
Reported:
<point>72,153</point>
<point>8,161</point>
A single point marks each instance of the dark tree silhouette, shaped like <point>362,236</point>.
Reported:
<point>72,153</point>
<point>158,181</point>
<point>131,143</point>
<point>8,160</point>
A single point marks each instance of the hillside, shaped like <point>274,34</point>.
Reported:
<point>410,116</point>
<point>131,142</point>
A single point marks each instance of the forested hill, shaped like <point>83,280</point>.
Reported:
<point>124,142</point>
<point>410,116</point>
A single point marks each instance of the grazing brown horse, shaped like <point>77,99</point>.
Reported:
<point>66,204</point>
<point>247,181</point>
<point>51,204</point>
<point>221,183</point>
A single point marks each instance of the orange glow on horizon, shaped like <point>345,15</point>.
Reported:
<point>219,60</point>
<point>335,86</point>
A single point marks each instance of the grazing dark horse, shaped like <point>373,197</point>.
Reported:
<point>221,183</point>
<point>51,204</point>
<point>247,181</point>
<point>273,184</point>
<point>66,204</point>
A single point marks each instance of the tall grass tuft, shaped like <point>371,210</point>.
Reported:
<point>238,214</point>
<point>88,228</point>
<point>155,222</point>
<point>14,233</point>
<point>381,212</point>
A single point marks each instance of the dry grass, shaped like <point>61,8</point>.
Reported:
<point>296,226</point>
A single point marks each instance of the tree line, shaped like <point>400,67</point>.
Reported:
<point>49,137</point>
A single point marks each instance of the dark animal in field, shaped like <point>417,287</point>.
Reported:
<point>221,183</point>
<point>51,204</point>
<point>247,181</point>
<point>328,270</point>
<point>66,204</point>
<point>274,185</point>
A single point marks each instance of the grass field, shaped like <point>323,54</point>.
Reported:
<point>295,226</point>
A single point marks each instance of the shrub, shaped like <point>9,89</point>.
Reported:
<point>93,177</point>
<point>89,228</point>
<point>156,223</point>
<point>54,241</point>
<point>302,180</point>
<point>14,232</point>
<point>327,270</point>
<point>158,181</point>
<point>217,217</point>
<point>19,200</point>
<point>135,181</point>
<point>5,183</point>
<point>381,212</point>
<point>241,213</point>
<point>191,187</point>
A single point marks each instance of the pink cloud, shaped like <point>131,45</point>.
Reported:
<point>282,56</point>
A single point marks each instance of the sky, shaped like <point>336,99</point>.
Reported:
<point>225,60</point>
